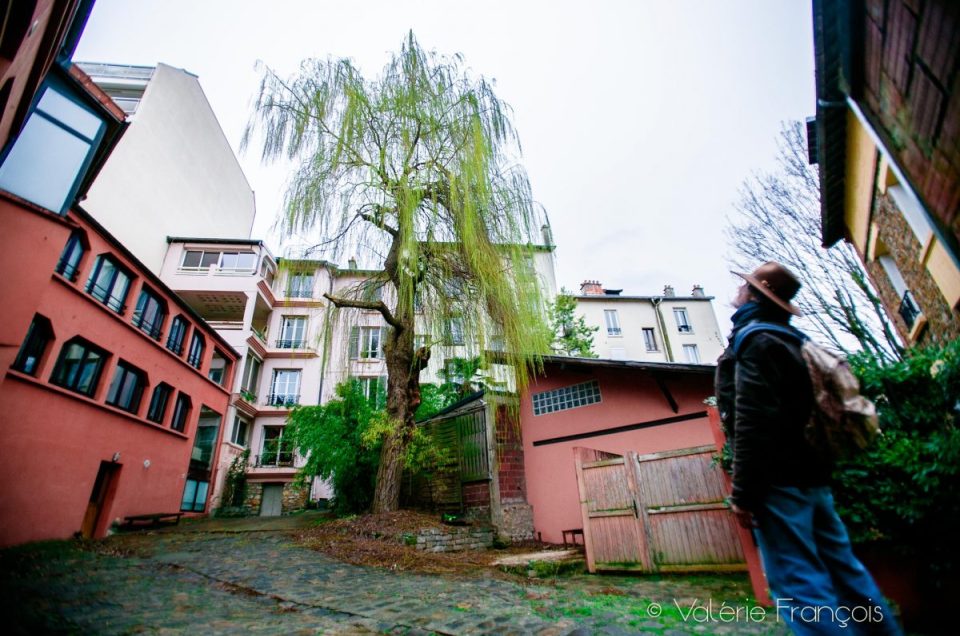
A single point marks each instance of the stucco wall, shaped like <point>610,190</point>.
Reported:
<point>188,181</point>
<point>628,397</point>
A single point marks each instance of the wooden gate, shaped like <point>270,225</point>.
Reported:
<point>662,512</point>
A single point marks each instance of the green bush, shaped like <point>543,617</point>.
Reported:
<point>904,491</point>
<point>342,438</point>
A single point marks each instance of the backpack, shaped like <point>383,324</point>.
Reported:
<point>842,422</point>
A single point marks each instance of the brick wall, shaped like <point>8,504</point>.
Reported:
<point>476,500</point>
<point>943,323</point>
<point>513,485</point>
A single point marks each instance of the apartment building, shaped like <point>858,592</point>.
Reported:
<point>294,347</point>
<point>886,139</point>
<point>113,389</point>
<point>664,328</point>
<point>189,182</point>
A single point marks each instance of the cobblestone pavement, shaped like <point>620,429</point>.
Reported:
<point>262,582</point>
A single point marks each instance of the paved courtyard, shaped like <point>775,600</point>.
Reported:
<point>251,577</point>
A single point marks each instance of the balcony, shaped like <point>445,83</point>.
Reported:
<point>909,310</point>
<point>289,344</point>
<point>274,458</point>
<point>283,400</point>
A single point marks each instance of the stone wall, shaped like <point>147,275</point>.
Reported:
<point>454,539</point>
<point>293,498</point>
<point>517,522</point>
<point>943,323</point>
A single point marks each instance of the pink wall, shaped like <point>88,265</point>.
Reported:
<point>628,396</point>
<point>55,439</point>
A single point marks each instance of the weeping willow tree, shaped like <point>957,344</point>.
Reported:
<point>415,170</point>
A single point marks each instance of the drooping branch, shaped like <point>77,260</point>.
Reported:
<point>371,305</point>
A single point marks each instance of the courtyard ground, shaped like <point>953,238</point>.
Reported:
<point>263,577</point>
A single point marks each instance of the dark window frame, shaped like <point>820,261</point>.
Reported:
<point>178,331</point>
<point>154,329</point>
<point>159,400</point>
<point>34,347</point>
<point>117,388</point>
<point>70,378</point>
<point>72,255</point>
<point>118,305</point>
<point>197,347</point>
<point>181,412</point>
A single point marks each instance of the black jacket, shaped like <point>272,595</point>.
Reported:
<point>765,399</point>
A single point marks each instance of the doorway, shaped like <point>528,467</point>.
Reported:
<point>271,504</point>
<point>102,486</point>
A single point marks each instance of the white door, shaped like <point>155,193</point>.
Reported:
<point>271,504</point>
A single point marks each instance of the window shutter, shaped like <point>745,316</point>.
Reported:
<point>354,343</point>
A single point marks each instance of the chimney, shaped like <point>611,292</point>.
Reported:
<point>352,263</point>
<point>591,288</point>
<point>697,291</point>
<point>547,235</point>
<point>668,291</point>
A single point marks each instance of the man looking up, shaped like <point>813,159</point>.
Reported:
<point>781,484</point>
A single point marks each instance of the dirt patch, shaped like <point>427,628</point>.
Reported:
<point>378,541</point>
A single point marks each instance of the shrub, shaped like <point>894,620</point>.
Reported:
<point>905,489</point>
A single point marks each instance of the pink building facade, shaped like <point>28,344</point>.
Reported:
<point>606,405</point>
<point>112,389</point>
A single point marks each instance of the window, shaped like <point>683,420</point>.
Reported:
<point>69,261</point>
<point>39,334</point>
<point>181,411</point>
<point>194,496</point>
<point>612,319</point>
<point>195,356</point>
<point>285,388</point>
<point>49,158</point>
<point>292,332</point>
<point>692,353</point>
<point>454,335</point>
<point>226,262</point>
<point>109,283</point>
<point>127,387</point>
<point>218,367</point>
<point>374,389</point>
<point>276,450</point>
<point>178,329</point>
<point>365,343</point>
<point>301,286</point>
<point>149,314</point>
<point>78,367</point>
<point>251,374</point>
<point>650,338</point>
<point>912,211</point>
<point>158,402</point>
<point>567,397</point>
<point>683,322</point>
<point>908,309</point>
<point>241,430</point>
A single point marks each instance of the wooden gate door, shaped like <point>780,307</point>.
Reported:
<point>688,522</point>
<point>663,512</point>
<point>613,538</point>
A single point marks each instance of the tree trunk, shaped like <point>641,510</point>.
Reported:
<point>403,398</point>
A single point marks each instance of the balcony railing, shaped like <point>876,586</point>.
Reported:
<point>283,399</point>
<point>273,458</point>
<point>290,344</point>
<point>909,310</point>
<point>613,331</point>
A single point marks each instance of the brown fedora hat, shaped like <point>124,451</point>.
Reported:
<point>777,283</point>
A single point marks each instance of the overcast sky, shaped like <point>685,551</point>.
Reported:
<point>639,119</point>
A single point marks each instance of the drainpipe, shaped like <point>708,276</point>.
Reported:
<point>663,328</point>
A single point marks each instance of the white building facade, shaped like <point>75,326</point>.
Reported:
<point>173,173</point>
<point>664,328</point>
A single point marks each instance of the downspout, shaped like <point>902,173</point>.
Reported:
<point>663,328</point>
